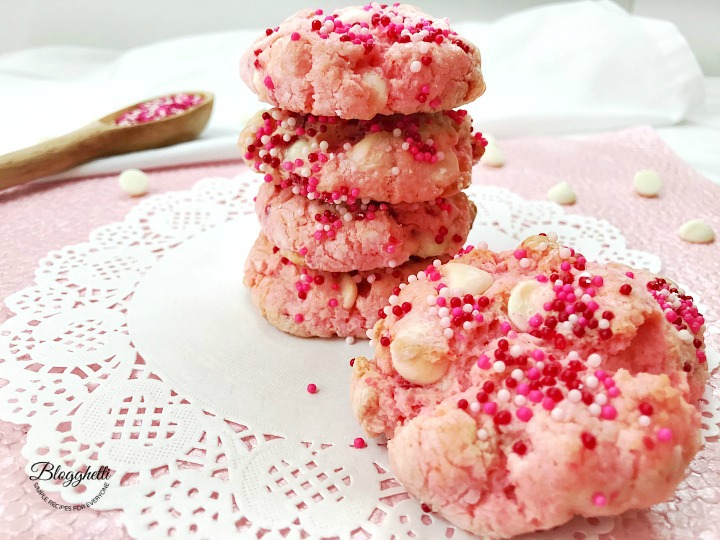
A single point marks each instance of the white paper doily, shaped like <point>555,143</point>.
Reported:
<point>140,350</point>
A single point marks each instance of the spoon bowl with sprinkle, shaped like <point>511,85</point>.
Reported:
<point>154,123</point>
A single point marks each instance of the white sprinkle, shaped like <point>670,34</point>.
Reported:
<point>573,355</point>
<point>326,227</point>
<point>421,275</point>
<point>594,360</point>
<point>402,286</point>
<point>591,381</point>
<point>467,308</point>
<point>475,407</point>
<point>552,236</point>
<point>393,299</point>
<point>542,246</point>
<point>517,374</point>
<point>586,298</point>
<point>324,145</point>
<point>395,171</point>
<point>445,322</point>
<point>498,366</point>
<point>349,340</point>
<point>603,324</point>
<point>482,434</point>
<point>437,263</point>
<point>387,310</point>
<point>572,318</point>
<point>503,395</point>
<point>392,263</point>
<point>405,145</point>
<point>397,132</point>
<point>444,311</point>
<point>412,278</point>
<point>467,325</point>
<point>539,365</point>
<point>644,421</point>
<point>446,292</point>
<point>557,414</point>
<point>524,262</point>
<point>448,333</point>
<point>369,333</point>
<point>594,409</point>
<point>519,400</point>
<point>415,66</point>
<point>291,121</point>
<point>371,279</point>
<point>431,300</point>
<point>565,253</point>
<point>574,395</point>
<point>373,343</point>
<point>515,351</point>
<point>601,399</point>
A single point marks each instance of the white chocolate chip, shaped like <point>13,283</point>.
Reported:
<point>562,193</point>
<point>293,257</point>
<point>468,279</point>
<point>493,156</point>
<point>348,290</point>
<point>415,66</point>
<point>367,152</point>
<point>417,355</point>
<point>526,299</point>
<point>696,231</point>
<point>647,183</point>
<point>134,182</point>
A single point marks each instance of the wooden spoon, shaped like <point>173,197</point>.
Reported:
<point>103,138</point>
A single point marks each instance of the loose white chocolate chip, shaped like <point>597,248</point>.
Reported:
<point>348,290</point>
<point>562,193</point>
<point>696,231</point>
<point>134,182</point>
<point>526,299</point>
<point>647,183</point>
<point>493,156</point>
<point>418,355</point>
<point>468,279</point>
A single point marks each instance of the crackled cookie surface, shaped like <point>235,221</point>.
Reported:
<point>357,62</point>
<point>392,159</point>
<point>307,302</point>
<point>345,237</point>
<point>521,388</point>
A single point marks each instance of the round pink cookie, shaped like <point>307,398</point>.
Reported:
<point>525,387</point>
<point>307,303</point>
<point>342,238</point>
<point>389,158</point>
<point>357,62</point>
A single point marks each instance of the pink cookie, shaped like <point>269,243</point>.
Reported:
<point>362,61</point>
<point>389,158</point>
<point>362,236</point>
<point>525,387</point>
<point>306,302</point>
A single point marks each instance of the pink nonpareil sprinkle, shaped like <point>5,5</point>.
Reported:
<point>158,109</point>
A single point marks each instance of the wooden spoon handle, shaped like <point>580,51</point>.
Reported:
<point>51,156</point>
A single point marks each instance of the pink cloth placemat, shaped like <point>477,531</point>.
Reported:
<point>43,217</point>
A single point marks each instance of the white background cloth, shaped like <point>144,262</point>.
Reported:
<point>559,69</point>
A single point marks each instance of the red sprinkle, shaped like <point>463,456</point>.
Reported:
<point>312,388</point>
<point>359,442</point>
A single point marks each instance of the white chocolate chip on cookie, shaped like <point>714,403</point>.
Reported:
<point>469,279</point>
<point>348,290</point>
<point>526,299</point>
<point>418,356</point>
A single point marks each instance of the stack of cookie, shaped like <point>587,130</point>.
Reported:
<point>364,161</point>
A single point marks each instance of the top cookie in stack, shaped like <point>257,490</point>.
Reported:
<point>358,62</point>
<point>364,161</point>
